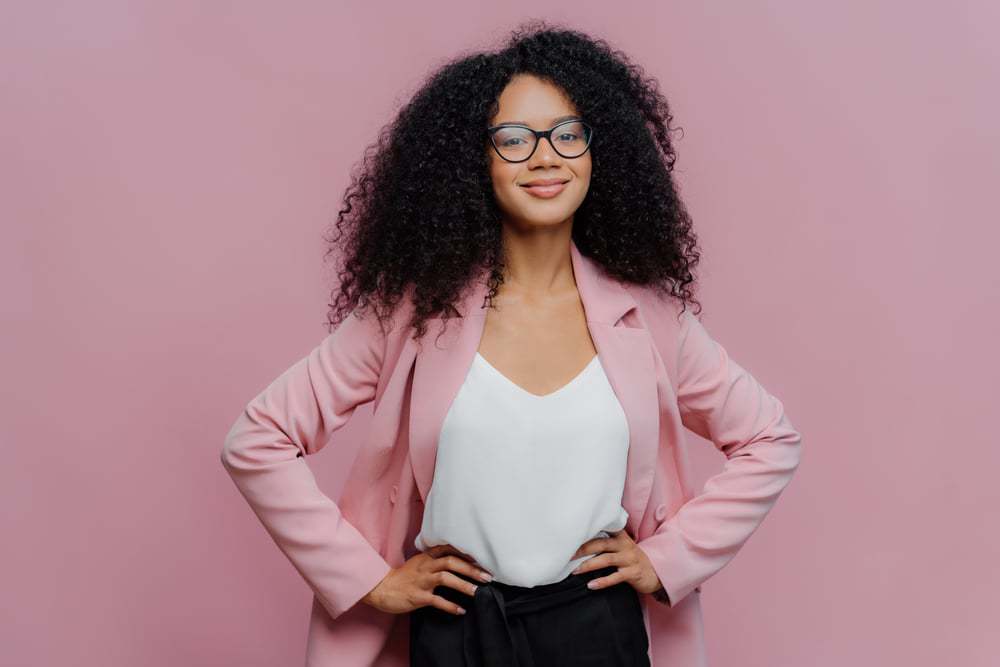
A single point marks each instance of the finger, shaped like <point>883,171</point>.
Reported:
<point>441,550</point>
<point>626,537</point>
<point>462,566</point>
<point>584,549</point>
<point>618,559</point>
<point>593,546</point>
<point>446,605</point>
<point>616,541</point>
<point>615,577</point>
<point>446,578</point>
<point>593,563</point>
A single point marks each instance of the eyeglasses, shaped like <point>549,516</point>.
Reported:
<point>517,143</point>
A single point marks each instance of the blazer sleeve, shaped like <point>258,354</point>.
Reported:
<point>722,402</point>
<point>264,454</point>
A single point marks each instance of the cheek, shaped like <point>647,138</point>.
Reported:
<point>583,175</point>
<point>504,178</point>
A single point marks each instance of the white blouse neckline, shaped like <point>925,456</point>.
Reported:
<point>575,380</point>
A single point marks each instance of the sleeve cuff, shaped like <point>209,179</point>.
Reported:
<point>360,585</point>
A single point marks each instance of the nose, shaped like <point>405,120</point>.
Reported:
<point>545,153</point>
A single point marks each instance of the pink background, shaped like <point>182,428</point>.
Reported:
<point>168,170</point>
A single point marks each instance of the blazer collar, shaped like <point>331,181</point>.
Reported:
<point>441,365</point>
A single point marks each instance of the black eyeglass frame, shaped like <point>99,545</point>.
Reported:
<point>539,135</point>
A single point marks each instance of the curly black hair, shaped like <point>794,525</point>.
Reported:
<point>421,217</point>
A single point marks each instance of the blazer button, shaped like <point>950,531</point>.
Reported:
<point>661,511</point>
<point>393,493</point>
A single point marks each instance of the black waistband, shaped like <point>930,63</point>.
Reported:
<point>493,636</point>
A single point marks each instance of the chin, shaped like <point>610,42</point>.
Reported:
<point>549,220</point>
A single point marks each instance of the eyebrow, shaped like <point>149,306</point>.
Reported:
<point>554,121</point>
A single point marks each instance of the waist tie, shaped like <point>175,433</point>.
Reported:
<point>494,636</point>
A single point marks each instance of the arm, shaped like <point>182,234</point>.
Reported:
<point>264,454</point>
<point>723,403</point>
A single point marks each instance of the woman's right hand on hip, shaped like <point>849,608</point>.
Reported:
<point>411,585</point>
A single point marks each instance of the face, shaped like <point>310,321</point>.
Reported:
<point>530,101</point>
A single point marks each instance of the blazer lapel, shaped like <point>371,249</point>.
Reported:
<point>625,354</point>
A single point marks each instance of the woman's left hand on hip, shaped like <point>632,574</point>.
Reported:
<point>621,551</point>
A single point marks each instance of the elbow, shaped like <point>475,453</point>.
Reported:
<point>780,449</point>
<point>797,448</point>
<point>254,443</point>
<point>234,450</point>
<point>226,455</point>
<point>791,437</point>
<point>786,451</point>
<point>790,451</point>
<point>229,454</point>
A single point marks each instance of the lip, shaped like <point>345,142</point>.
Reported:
<point>545,181</point>
<point>546,189</point>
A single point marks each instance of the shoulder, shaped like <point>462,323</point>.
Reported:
<point>659,309</point>
<point>364,322</point>
<point>669,321</point>
<point>384,337</point>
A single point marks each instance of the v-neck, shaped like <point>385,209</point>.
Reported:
<point>576,378</point>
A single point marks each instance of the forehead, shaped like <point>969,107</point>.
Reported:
<point>528,100</point>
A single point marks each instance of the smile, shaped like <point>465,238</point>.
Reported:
<point>544,191</point>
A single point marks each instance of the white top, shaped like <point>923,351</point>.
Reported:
<point>522,480</point>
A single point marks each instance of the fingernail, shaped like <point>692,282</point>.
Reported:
<point>592,584</point>
<point>486,576</point>
<point>461,610</point>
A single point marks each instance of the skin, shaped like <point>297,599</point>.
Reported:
<point>537,337</point>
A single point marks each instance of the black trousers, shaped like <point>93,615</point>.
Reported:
<point>563,623</point>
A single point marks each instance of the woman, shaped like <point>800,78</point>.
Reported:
<point>521,495</point>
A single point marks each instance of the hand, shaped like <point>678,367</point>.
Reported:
<point>411,585</point>
<point>619,550</point>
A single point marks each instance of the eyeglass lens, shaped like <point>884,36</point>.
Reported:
<point>516,143</point>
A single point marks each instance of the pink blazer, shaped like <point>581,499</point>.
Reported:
<point>668,375</point>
